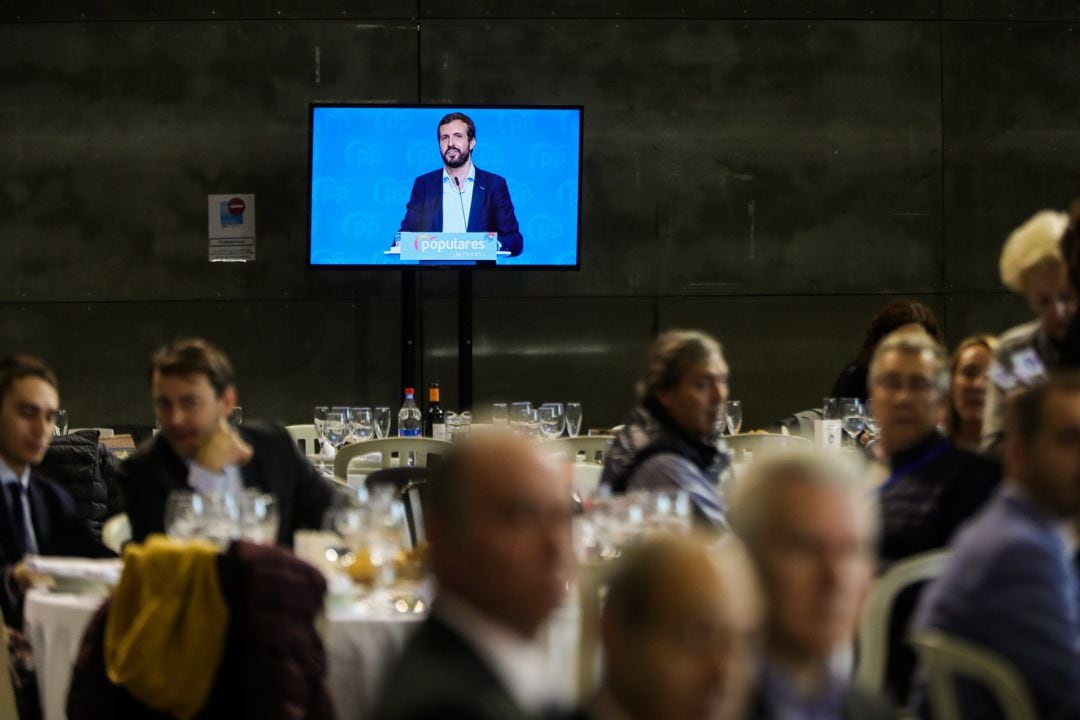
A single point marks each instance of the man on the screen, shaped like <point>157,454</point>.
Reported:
<point>460,197</point>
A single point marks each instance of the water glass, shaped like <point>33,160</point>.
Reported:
<point>552,420</point>
<point>500,413</point>
<point>733,413</point>
<point>573,419</point>
<point>337,428</point>
<point>61,422</point>
<point>852,419</point>
<point>458,426</point>
<point>830,409</point>
<point>519,411</point>
<point>382,422</point>
<point>361,423</point>
<point>320,425</point>
<point>259,517</point>
<point>183,513</point>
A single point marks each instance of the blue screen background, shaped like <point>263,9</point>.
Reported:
<point>364,161</point>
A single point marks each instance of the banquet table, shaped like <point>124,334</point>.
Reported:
<point>362,641</point>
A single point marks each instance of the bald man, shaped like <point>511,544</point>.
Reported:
<point>677,633</point>
<point>498,521</point>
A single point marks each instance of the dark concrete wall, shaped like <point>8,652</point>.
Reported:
<point>773,172</point>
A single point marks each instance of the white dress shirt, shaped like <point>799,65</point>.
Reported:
<point>456,205</point>
<point>8,477</point>
<point>518,662</point>
<point>208,482</point>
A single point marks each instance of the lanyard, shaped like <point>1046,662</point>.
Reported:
<point>932,454</point>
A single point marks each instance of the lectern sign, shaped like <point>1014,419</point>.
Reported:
<point>443,247</point>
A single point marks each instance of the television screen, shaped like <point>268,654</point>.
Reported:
<point>395,186</point>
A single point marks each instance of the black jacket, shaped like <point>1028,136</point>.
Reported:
<point>438,676</point>
<point>90,473</point>
<point>57,529</point>
<point>148,476</point>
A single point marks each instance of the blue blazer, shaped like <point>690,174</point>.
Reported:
<point>491,209</point>
<point>1009,586</point>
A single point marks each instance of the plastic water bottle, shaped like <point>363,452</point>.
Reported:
<point>409,419</point>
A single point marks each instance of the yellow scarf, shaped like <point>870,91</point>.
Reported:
<point>165,630</point>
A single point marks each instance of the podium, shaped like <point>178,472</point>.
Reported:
<point>438,248</point>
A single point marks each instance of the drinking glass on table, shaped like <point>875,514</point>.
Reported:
<point>500,413</point>
<point>259,518</point>
<point>61,426</point>
<point>361,423</point>
<point>871,421</point>
<point>183,514</point>
<point>733,413</point>
<point>852,418</point>
<point>213,517</point>
<point>830,409</point>
<point>552,420</point>
<point>573,419</point>
<point>337,428</point>
<point>350,525</point>
<point>320,426</point>
<point>382,422</point>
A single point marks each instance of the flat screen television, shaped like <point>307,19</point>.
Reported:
<point>394,186</point>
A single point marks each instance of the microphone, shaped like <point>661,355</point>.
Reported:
<point>457,181</point>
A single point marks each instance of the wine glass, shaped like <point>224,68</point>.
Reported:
<point>500,413</point>
<point>830,409</point>
<point>851,417</point>
<point>552,420</point>
<point>337,428</point>
<point>320,425</point>
<point>733,413</point>
<point>382,422</point>
<point>60,426</point>
<point>259,517</point>
<point>573,419</point>
<point>871,421</point>
<point>361,423</point>
<point>183,515</point>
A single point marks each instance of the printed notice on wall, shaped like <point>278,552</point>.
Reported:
<point>231,220</point>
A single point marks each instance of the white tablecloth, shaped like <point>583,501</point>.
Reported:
<point>362,642</point>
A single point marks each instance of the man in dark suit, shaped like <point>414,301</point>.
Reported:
<point>461,197</point>
<point>1009,584</point>
<point>498,521</point>
<point>810,534</point>
<point>37,515</point>
<point>193,392</point>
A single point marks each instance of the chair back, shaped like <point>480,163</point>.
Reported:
<point>8,707</point>
<point>945,659</point>
<point>415,451</point>
<point>874,621</point>
<point>581,449</point>
<point>762,444</point>
<point>410,486</point>
<point>304,436</point>
<point>115,532</point>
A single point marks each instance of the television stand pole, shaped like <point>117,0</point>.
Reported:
<point>409,322</point>
<point>465,340</point>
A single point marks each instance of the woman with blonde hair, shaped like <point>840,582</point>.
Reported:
<point>967,389</point>
<point>1032,265</point>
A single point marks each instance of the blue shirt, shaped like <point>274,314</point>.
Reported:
<point>8,477</point>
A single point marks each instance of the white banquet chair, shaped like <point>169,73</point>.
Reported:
<point>593,448</point>
<point>945,659</point>
<point>874,621</point>
<point>303,434</point>
<point>405,449</point>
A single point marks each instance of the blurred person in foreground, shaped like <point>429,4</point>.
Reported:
<point>931,486</point>
<point>1032,265</point>
<point>1009,584</point>
<point>498,523</point>
<point>38,515</point>
<point>906,314</point>
<point>670,440</point>
<point>809,530</point>
<point>967,390</point>
<point>194,393</point>
<point>679,633</point>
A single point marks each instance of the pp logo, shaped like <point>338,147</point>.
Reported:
<point>391,192</point>
<point>331,190</point>
<point>515,124</point>
<point>422,155</point>
<point>360,153</point>
<point>494,155</point>
<point>567,194</point>
<point>359,225</point>
<point>544,228</point>
<point>389,122</point>
<point>545,156</point>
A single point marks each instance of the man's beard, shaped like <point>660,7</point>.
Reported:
<point>461,159</point>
